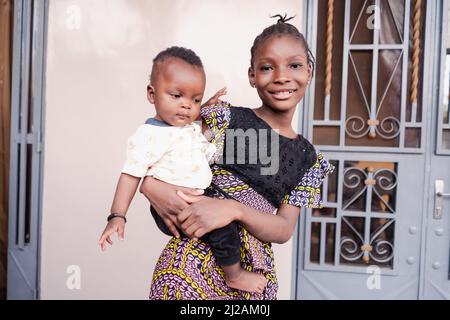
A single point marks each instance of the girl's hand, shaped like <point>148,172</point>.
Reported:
<point>163,197</point>
<point>206,214</point>
<point>215,98</point>
<point>114,225</point>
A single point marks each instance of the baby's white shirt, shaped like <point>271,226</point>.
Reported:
<point>176,155</point>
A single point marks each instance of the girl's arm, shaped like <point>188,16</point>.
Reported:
<point>277,228</point>
<point>207,214</point>
<point>164,199</point>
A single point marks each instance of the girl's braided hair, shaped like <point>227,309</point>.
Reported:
<point>282,28</point>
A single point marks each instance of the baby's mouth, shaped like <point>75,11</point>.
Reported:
<point>182,116</point>
<point>282,94</point>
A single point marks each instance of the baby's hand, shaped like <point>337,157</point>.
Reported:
<point>215,98</point>
<point>114,225</point>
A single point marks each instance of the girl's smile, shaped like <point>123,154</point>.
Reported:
<point>282,94</point>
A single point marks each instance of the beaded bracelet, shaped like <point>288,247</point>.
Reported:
<point>116,215</point>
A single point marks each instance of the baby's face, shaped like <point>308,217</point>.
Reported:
<point>177,91</point>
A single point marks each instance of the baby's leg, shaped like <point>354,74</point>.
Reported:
<point>225,245</point>
<point>238,278</point>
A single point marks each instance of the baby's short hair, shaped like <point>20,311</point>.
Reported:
<point>184,54</point>
<point>187,55</point>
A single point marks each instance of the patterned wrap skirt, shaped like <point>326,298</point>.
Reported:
<point>187,269</point>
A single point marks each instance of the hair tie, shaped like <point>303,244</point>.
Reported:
<point>282,19</point>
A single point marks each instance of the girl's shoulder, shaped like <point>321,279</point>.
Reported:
<point>221,115</point>
<point>308,147</point>
<point>307,193</point>
<point>218,112</point>
<point>314,157</point>
<point>225,115</point>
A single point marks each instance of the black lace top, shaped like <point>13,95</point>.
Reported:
<point>270,163</point>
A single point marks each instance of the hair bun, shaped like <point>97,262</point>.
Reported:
<point>282,19</point>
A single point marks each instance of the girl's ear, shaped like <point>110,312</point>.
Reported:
<point>251,77</point>
<point>310,71</point>
<point>151,94</point>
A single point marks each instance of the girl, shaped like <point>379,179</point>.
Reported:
<point>281,67</point>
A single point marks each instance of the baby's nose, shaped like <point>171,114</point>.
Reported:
<point>186,105</point>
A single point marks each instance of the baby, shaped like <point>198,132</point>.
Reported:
<point>171,147</point>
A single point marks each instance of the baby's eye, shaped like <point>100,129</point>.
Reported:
<point>296,65</point>
<point>266,68</point>
<point>197,100</point>
<point>175,95</point>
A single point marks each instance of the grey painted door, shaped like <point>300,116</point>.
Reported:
<point>436,266</point>
<point>26,157</point>
<point>378,73</point>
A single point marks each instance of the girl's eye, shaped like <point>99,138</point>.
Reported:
<point>175,95</point>
<point>296,65</point>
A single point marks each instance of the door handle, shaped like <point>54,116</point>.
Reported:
<point>439,196</point>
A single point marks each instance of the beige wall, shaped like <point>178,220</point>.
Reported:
<point>98,59</point>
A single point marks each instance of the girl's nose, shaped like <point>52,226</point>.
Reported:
<point>281,77</point>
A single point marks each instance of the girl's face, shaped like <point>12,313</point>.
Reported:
<point>280,72</point>
<point>177,92</point>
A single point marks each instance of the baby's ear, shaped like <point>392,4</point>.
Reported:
<point>151,94</point>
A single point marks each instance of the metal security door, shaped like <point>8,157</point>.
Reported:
<point>436,267</point>
<point>364,111</point>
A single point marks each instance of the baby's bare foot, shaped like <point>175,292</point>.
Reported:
<point>246,281</point>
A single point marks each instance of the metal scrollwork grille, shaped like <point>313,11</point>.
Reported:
<point>356,227</point>
<point>367,94</point>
